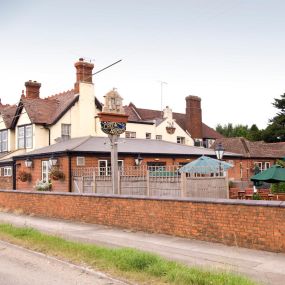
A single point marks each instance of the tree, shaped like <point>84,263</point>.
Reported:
<point>275,132</point>
<point>252,133</point>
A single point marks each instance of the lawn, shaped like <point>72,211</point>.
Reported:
<point>125,263</point>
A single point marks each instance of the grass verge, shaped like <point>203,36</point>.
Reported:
<point>131,264</point>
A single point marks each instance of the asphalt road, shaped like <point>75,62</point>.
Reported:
<point>19,266</point>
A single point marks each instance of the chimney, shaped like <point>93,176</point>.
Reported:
<point>32,89</point>
<point>83,73</point>
<point>194,116</point>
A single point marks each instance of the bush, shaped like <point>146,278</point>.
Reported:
<point>278,187</point>
<point>256,196</point>
<point>43,185</point>
<point>24,176</point>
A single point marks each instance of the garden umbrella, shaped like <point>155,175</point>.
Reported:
<point>205,165</point>
<point>274,174</point>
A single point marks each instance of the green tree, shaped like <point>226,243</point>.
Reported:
<point>275,132</point>
<point>252,133</point>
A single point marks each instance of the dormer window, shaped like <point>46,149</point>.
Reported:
<point>25,136</point>
<point>3,140</point>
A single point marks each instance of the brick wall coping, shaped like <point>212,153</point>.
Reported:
<point>265,203</point>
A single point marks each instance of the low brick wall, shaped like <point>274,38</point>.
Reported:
<point>252,224</point>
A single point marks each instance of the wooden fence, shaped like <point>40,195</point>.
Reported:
<point>150,181</point>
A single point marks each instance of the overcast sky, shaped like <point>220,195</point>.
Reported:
<point>231,53</point>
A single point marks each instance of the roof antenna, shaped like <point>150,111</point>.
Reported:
<point>161,96</point>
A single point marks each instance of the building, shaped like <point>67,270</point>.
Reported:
<point>90,152</point>
<point>37,122</point>
<point>252,154</point>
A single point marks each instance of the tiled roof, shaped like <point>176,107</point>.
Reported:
<point>129,146</point>
<point>139,114</point>
<point>8,113</point>
<point>248,148</point>
<point>48,110</point>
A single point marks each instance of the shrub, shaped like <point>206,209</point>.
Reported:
<point>43,185</point>
<point>278,187</point>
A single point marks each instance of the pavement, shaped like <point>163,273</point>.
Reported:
<point>263,266</point>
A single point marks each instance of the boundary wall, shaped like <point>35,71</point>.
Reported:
<point>245,223</point>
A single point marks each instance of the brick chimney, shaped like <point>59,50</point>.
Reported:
<point>32,89</point>
<point>194,116</point>
<point>83,73</point>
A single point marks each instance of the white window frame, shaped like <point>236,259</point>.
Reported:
<point>3,140</point>
<point>25,138</point>
<point>45,170</point>
<point>7,171</point>
<point>158,137</point>
<point>180,140</point>
<point>82,159</point>
<point>106,170</point>
<point>66,131</point>
<point>130,135</point>
<point>262,165</point>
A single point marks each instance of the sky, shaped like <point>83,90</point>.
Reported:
<point>231,53</point>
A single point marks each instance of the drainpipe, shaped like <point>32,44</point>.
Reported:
<point>47,128</point>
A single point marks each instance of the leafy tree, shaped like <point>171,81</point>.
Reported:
<point>275,132</point>
<point>252,133</point>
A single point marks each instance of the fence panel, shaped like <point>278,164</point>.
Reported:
<point>159,181</point>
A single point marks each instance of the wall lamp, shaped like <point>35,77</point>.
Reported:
<point>53,161</point>
<point>28,163</point>
<point>138,160</point>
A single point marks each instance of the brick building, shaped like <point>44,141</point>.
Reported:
<point>87,152</point>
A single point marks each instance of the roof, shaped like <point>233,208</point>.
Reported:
<point>258,149</point>
<point>144,115</point>
<point>8,113</point>
<point>47,110</point>
<point>126,146</point>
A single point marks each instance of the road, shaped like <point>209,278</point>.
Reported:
<point>19,266</point>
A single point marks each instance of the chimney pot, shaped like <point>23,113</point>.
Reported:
<point>32,89</point>
<point>83,73</point>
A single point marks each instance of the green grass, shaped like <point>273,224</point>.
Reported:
<point>134,265</point>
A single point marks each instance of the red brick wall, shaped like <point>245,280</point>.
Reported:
<point>252,224</point>
<point>6,182</point>
<point>36,172</point>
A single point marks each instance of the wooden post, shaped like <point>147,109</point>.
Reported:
<point>147,184</point>
<point>119,183</point>
<point>183,184</point>
<point>94,182</point>
<point>227,185</point>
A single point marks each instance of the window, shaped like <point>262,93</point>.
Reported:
<point>154,165</point>
<point>7,171</point>
<point>181,140</point>
<point>148,136</point>
<point>158,137</point>
<point>198,142</point>
<point>3,140</point>
<point>131,135</point>
<point>25,136</point>
<point>65,131</point>
<point>45,170</point>
<point>80,161</point>
<point>262,165</point>
<point>105,167</point>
